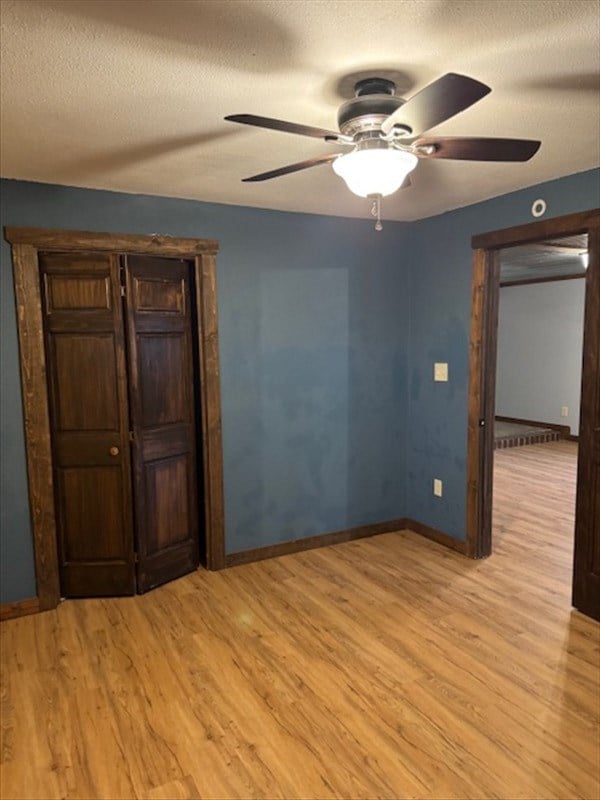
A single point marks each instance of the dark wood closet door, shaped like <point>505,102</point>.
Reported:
<point>161,388</point>
<point>89,422</point>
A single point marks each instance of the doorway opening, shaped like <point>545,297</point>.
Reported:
<point>540,341</point>
<point>482,396</point>
<point>536,425</point>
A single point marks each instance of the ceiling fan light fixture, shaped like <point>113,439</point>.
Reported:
<point>375,171</point>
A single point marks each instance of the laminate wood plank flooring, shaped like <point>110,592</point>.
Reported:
<point>388,667</point>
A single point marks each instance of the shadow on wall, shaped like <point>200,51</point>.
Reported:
<point>315,408</point>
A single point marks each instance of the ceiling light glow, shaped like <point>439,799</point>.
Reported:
<point>376,171</point>
<point>585,259</point>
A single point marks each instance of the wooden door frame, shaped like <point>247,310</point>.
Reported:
<point>25,245</point>
<point>482,363</point>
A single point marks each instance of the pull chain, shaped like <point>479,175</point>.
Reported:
<point>376,211</point>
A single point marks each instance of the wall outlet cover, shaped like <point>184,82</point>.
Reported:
<point>564,411</point>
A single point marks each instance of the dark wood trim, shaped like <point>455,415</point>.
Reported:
<point>348,535</point>
<point>459,545</point>
<point>586,576</point>
<point>152,244</point>
<point>206,291</point>
<point>565,430</point>
<point>474,399</point>
<point>484,547</point>
<point>38,449</point>
<point>569,225</point>
<point>482,360</point>
<point>553,279</point>
<point>572,437</point>
<point>25,244</point>
<point>19,609</point>
<point>311,542</point>
<point>481,401</point>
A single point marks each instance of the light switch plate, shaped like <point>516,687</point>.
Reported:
<point>440,371</point>
<point>437,487</point>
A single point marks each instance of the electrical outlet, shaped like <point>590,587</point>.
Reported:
<point>564,411</point>
<point>440,371</point>
<point>437,487</point>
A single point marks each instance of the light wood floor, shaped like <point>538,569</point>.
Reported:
<point>388,667</point>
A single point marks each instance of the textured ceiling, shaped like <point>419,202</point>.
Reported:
<point>553,258</point>
<point>131,95</point>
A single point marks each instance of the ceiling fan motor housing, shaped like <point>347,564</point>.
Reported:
<point>374,102</point>
<point>377,120</point>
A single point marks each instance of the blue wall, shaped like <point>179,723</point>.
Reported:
<point>313,315</point>
<point>328,334</point>
<point>440,299</point>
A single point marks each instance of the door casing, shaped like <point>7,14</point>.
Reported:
<point>482,369</point>
<point>25,246</point>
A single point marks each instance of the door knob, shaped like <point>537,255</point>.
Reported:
<point>114,451</point>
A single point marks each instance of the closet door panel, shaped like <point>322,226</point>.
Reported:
<point>83,494</point>
<point>164,397</point>
<point>87,397</point>
<point>168,520</point>
<point>87,382</point>
<point>161,385</point>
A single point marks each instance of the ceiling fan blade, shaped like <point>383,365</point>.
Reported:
<point>436,103</point>
<point>289,127</point>
<point>275,173</point>
<point>477,149</point>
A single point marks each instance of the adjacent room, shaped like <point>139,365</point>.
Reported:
<point>300,399</point>
<point>541,305</point>
<point>540,341</point>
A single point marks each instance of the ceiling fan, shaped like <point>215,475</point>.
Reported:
<point>385,134</point>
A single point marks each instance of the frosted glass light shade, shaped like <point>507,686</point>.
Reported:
<point>377,171</point>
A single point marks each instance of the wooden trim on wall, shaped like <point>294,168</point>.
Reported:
<point>19,609</point>
<point>25,244</point>
<point>148,244</point>
<point>480,414</point>
<point>458,545</point>
<point>210,378</point>
<point>348,535</point>
<point>37,422</point>
<point>569,225</point>
<point>586,570</point>
<point>553,279</point>
<point>311,542</point>
<point>474,398</point>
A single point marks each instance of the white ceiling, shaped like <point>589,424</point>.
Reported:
<point>131,96</point>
